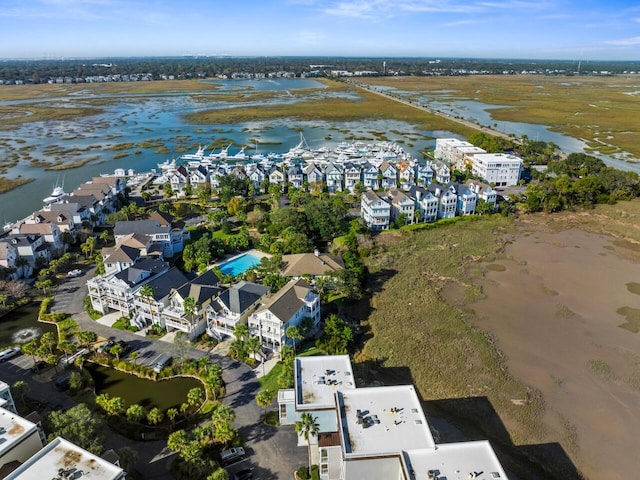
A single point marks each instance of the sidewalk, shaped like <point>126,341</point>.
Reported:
<point>268,366</point>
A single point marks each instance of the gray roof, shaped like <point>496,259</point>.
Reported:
<point>288,300</point>
<point>242,295</point>
<point>145,227</point>
<point>151,265</point>
<point>163,284</point>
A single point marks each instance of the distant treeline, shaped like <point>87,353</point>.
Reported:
<point>40,71</point>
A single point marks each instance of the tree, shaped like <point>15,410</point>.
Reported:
<point>190,306</point>
<point>86,338</point>
<point>241,331</point>
<point>20,389</point>
<point>308,427</point>
<point>133,356</point>
<point>178,441</point>
<point>253,346</point>
<point>264,398</point>
<point>3,299</point>
<point>337,335</point>
<point>146,292</point>
<point>128,458</point>
<point>48,341</point>
<point>172,413</point>
<point>293,332</point>
<point>219,474</point>
<point>66,347</point>
<point>116,350</point>
<point>155,416</point>
<point>196,397</point>
<point>78,425</point>
<point>136,413</point>
<point>30,348</point>
<point>44,284</point>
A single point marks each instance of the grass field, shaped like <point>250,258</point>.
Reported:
<point>424,283</point>
<point>603,111</point>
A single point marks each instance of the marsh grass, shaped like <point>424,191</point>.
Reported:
<point>447,356</point>
<point>595,109</point>
<point>632,318</point>
<point>7,184</point>
<point>634,288</point>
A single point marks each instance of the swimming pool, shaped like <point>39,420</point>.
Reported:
<point>239,265</point>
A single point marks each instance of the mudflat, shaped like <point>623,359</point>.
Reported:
<point>564,308</point>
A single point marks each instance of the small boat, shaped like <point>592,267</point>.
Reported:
<point>199,155</point>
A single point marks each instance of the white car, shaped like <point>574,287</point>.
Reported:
<point>74,273</point>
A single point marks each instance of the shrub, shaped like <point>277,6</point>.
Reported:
<point>303,473</point>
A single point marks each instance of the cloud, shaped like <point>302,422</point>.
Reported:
<point>462,23</point>
<point>624,42</point>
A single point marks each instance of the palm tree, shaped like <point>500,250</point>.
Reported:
<point>308,427</point>
<point>293,332</point>
<point>146,292</point>
<point>190,307</point>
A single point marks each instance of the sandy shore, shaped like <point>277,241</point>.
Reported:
<point>553,310</point>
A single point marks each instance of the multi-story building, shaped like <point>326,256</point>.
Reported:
<point>441,171</point>
<point>426,203</point>
<point>401,204</point>
<point>48,231</point>
<point>389,175</point>
<point>20,439</point>
<point>232,306</point>
<point>423,174</point>
<point>65,460</point>
<point>500,169</point>
<point>315,177</point>
<point>352,176</point>
<point>32,248</point>
<point>288,307</point>
<point>370,176</point>
<point>334,177</point>
<point>447,200</point>
<point>375,211</point>
<point>9,259</point>
<point>466,204</point>
<point>374,432</point>
<point>295,176</point>
<point>484,192</point>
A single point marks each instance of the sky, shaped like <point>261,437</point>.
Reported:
<point>535,29</point>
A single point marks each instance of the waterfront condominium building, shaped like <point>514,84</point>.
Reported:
<point>501,169</point>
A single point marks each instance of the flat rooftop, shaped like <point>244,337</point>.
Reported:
<point>457,461</point>
<point>13,428</point>
<point>60,457</point>
<point>319,378</point>
<point>382,421</point>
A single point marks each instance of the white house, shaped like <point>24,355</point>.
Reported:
<point>231,306</point>
<point>401,204</point>
<point>484,191</point>
<point>288,307</point>
<point>352,175</point>
<point>501,169</point>
<point>466,204</point>
<point>442,172</point>
<point>447,200</point>
<point>370,176</point>
<point>375,211</point>
<point>389,175</point>
<point>425,202</point>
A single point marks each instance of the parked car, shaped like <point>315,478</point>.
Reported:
<point>246,474</point>
<point>74,273</point>
<point>63,381</point>
<point>39,366</point>
<point>9,353</point>
<point>126,348</point>
<point>162,361</point>
<point>105,347</point>
<point>231,455</point>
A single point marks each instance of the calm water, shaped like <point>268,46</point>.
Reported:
<point>158,119</point>
<point>164,395</point>
<point>239,264</point>
<point>22,325</point>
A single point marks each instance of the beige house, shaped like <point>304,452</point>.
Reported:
<point>314,264</point>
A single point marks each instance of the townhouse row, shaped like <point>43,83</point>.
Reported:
<point>419,205</point>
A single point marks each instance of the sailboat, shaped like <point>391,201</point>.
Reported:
<point>298,150</point>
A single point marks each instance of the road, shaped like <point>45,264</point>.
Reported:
<point>461,121</point>
<point>272,452</point>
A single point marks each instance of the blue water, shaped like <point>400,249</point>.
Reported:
<point>239,264</point>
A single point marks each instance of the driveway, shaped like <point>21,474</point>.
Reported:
<point>271,451</point>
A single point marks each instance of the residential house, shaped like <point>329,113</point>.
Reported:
<point>115,291</point>
<point>79,214</point>
<point>49,231</point>
<point>442,172</point>
<point>238,172</point>
<point>257,176</point>
<point>447,200</point>
<point>179,179</point>
<point>406,174</point>
<point>129,249</point>
<point>149,309</point>
<point>277,177</point>
<point>389,174</point>
<point>63,220</point>
<point>426,203</point>
<point>203,290</point>
<point>179,232</point>
<point>232,306</point>
<point>484,192</point>
<point>401,204</point>
<point>352,176</point>
<point>159,228</point>
<point>199,176</point>
<point>117,184</point>
<point>375,211</point>
<point>315,177</point>
<point>466,204</point>
<point>32,248</point>
<point>423,174</point>
<point>103,195</point>
<point>97,210</point>
<point>370,176</point>
<point>288,307</point>
<point>314,264</point>
<point>334,177</point>
<point>215,174</point>
<point>295,176</point>
<point>374,432</point>
<point>9,260</point>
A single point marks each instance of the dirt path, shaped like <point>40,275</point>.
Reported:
<point>553,312</point>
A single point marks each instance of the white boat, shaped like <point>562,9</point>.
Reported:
<point>223,153</point>
<point>57,195</point>
<point>299,149</point>
<point>239,156</point>
<point>167,165</point>
<point>199,155</point>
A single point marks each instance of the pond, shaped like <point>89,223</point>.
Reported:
<point>22,325</point>
<point>165,394</point>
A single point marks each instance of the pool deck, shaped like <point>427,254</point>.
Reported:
<point>253,251</point>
